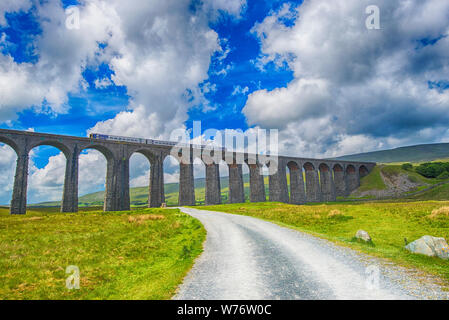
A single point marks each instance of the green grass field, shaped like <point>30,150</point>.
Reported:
<point>142,254</point>
<point>388,223</point>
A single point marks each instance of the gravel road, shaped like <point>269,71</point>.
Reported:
<point>246,258</point>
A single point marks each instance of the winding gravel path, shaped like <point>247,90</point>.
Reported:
<point>246,258</point>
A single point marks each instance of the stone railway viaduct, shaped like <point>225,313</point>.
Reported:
<point>324,179</point>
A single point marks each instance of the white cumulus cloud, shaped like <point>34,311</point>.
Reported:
<point>354,86</point>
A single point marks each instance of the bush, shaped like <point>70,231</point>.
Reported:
<point>407,166</point>
<point>432,169</point>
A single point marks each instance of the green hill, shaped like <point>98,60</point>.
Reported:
<point>139,195</point>
<point>419,153</point>
<point>373,182</point>
<point>393,181</point>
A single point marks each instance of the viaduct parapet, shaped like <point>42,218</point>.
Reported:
<point>311,180</point>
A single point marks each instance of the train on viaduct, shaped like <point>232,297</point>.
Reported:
<point>311,180</point>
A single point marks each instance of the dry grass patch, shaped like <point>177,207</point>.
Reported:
<point>33,219</point>
<point>443,211</point>
<point>335,213</point>
<point>146,217</point>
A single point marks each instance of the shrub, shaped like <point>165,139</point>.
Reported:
<point>432,169</point>
<point>407,166</point>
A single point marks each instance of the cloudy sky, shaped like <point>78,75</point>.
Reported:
<point>144,68</point>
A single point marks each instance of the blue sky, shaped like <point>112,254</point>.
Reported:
<point>88,108</point>
<point>313,71</point>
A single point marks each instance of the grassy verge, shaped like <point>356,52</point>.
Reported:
<point>143,254</point>
<point>387,223</point>
<point>438,193</point>
<point>373,181</point>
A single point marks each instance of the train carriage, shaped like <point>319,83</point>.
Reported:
<point>146,141</point>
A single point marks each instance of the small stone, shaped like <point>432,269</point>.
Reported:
<point>430,246</point>
<point>363,235</point>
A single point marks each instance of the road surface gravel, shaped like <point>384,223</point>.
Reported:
<point>246,258</point>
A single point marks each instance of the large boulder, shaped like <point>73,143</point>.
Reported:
<point>430,246</point>
<point>363,235</point>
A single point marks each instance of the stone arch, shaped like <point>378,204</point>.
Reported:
<point>350,169</point>
<point>363,171</point>
<point>139,175</point>
<point>338,168</point>
<point>297,190</point>
<point>324,167</point>
<point>156,192</point>
<point>10,143</point>
<point>326,183</point>
<point>9,149</point>
<point>108,154</point>
<point>308,166</point>
<point>111,198</point>
<point>339,180</point>
<point>53,143</point>
<point>69,196</point>
<point>312,183</point>
<point>186,159</point>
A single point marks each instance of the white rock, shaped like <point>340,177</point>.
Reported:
<point>363,235</point>
<point>430,246</point>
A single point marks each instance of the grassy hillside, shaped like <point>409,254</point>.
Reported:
<point>373,181</point>
<point>392,181</point>
<point>437,193</point>
<point>419,153</point>
<point>139,195</point>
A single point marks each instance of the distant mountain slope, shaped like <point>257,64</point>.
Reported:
<point>139,195</point>
<point>419,153</point>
